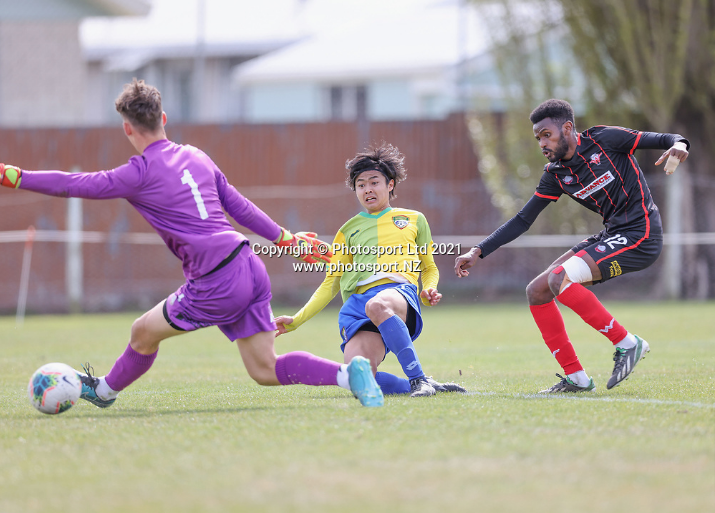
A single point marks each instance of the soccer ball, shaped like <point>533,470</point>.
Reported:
<point>54,388</point>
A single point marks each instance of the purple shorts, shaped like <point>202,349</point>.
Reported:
<point>236,298</point>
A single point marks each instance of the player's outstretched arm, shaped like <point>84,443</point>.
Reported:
<point>464,262</point>
<point>10,176</point>
<point>305,245</point>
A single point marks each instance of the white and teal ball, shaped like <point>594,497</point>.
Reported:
<point>54,388</point>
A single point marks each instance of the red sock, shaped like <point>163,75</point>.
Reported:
<point>551,324</point>
<point>585,303</point>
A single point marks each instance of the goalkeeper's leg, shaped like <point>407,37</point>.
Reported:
<point>300,367</point>
<point>138,357</point>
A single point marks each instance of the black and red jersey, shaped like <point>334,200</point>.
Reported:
<point>603,176</point>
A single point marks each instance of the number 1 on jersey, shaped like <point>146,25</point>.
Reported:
<point>188,179</point>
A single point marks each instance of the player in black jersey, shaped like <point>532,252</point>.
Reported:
<point>598,170</point>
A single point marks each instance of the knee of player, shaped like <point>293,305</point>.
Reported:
<point>575,269</point>
<point>263,378</point>
<point>555,279</point>
<point>137,329</point>
<point>138,340</point>
<point>262,372</point>
<point>538,291</point>
<point>376,308</point>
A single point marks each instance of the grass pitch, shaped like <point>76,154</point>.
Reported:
<point>197,435</point>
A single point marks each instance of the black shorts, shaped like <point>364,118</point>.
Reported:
<point>620,253</point>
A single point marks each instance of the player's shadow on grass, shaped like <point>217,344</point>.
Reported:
<point>150,411</point>
<point>129,413</point>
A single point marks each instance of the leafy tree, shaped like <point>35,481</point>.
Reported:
<point>647,64</point>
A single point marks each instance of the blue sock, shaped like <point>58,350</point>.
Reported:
<point>391,384</point>
<point>397,339</point>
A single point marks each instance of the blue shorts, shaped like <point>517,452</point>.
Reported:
<point>352,315</point>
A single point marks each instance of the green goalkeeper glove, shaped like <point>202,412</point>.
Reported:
<point>10,176</point>
<point>305,246</point>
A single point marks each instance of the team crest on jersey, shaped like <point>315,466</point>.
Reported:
<point>615,269</point>
<point>596,158</point>
<point>567,179</point>
<point>601,248</point>
<point>401,221</point>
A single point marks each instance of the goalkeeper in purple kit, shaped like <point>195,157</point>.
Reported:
<point>182,194</point>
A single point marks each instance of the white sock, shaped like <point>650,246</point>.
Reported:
<point>104,392</point>
<point>580,379</point>
<point>344,377</point>
<point>628,342</point>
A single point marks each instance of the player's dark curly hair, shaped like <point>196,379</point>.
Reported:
<point>140,104</point>
<point>560,111</point>
<point>384,158</point>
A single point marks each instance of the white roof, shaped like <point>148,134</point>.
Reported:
<point>304,38</point>
<point>374,38</point>
<point>176,23</point>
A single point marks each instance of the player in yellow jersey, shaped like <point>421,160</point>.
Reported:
<point>378,258</point>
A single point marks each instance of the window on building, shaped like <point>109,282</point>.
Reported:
<point>347,103</point>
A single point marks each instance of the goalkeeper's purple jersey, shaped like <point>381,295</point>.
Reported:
<point>179,191</point>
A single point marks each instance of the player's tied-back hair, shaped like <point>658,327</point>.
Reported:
<point>384,158</point>
<point>140,104</point>
<point>560,111</point>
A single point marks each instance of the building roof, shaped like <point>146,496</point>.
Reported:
<point>293,38</point>
<point>181,28</point>
<point>412,37</point>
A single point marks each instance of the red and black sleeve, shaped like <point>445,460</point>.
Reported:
<point>627,140</point>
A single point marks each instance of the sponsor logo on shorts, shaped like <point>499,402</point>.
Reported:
<point>401,221</point>
<point>173,298</point>
<point>615,269</point>
<point>601,248</point>
<point>568,179</point>
<point>595,158</point>
<point>598,184</point>
<point>342,334</point>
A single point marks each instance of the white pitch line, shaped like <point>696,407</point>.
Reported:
<point>602,399</point>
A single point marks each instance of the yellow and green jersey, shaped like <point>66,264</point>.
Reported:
<point>394,245</point>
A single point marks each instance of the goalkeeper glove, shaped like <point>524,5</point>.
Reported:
<point>305,246</point>
<point>10,176</point>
